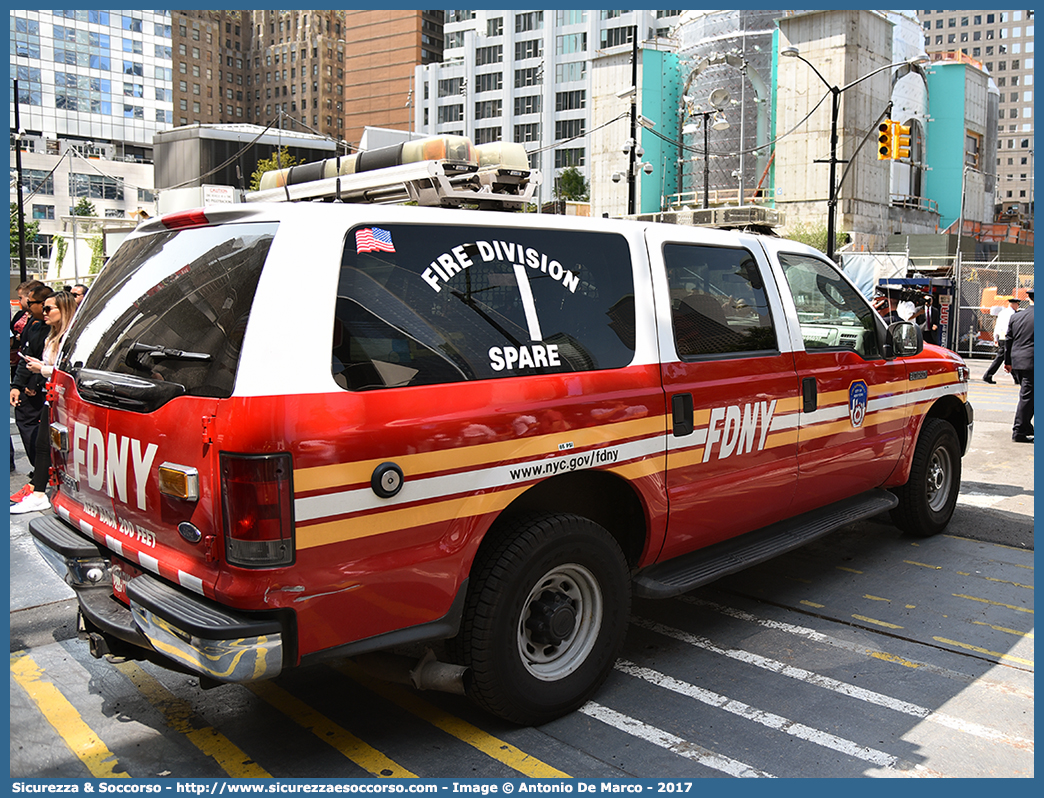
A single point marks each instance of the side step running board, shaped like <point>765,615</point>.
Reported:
<point>689,571</point>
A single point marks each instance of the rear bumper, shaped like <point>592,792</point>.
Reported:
<point>193,632</point>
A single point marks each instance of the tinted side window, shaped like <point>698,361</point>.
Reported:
<point>421,305</point>
<point>172,307</point>
<point>833,315</point>
<point>718,301</point>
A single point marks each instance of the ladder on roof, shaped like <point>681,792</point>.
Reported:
<point>428,183</point>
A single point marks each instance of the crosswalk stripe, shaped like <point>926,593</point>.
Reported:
<point>671,742</point>
<point>777,722</point>
<point>842,688</point>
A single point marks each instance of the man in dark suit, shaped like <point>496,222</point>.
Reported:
<point>1018,359</point>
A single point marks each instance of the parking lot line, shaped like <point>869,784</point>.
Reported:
<point>182,718</point>
<point>62,715</point>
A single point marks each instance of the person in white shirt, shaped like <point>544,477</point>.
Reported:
<point>1000,332</point>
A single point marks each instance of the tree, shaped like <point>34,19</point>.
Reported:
<point>814,235</point>
<point>32,228</point>
<point>280,160</point>
<point>570,185</point>
<point>84,207</point>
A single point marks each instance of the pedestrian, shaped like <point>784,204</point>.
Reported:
<point>20,319</point>
<point>1000,332</point>
<point>79,291</point>
<point>27,388</point>
<point>58,311</point>
<point>887,303</point>
<point>930,325</point>
<point>1018,360</point>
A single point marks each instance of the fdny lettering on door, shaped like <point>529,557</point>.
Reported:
<point>735,430</point>
<point>107,462</point>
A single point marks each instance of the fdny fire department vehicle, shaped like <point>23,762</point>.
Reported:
<point>285,432</point>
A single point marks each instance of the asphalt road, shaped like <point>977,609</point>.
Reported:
<point>866,653</point>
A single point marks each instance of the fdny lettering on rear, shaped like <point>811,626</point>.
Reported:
<point>442,269</point>
<point>106,462</point>
<point>735,430</point>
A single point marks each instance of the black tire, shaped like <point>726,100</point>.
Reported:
<point>927,500</point>
<point>545,618</point>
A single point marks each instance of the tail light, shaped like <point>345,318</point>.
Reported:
<point>257,498</point>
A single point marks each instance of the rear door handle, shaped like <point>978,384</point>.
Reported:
<point>682,412</point>
<point>809,395</point>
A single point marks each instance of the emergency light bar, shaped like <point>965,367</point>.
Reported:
<point>446,171</point>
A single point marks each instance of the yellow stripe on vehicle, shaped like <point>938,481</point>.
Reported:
<point>478,456</point>
<point>404,518</point>
<point>62,715</point>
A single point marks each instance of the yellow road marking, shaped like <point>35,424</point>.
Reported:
<point>878,623</point>
<point>343,741</point>
<point>994,603</point>
<point>850,570</point>
<point>1008,582</point>
<point>923,565</point>
<point>82,741</point>
<point>997,654</point>
<point>876,598</point>
<point>182,718</point>
<point>1005,629</point>
<point>465,732</point>
<point>813,604</point>
<point>893,658</point>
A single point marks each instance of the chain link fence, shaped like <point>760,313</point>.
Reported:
<point>983,289</point>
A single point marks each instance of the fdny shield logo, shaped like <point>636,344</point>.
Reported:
<point>858,393</point>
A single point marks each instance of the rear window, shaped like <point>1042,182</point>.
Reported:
<point>429,305</point>
<point>170,309</point>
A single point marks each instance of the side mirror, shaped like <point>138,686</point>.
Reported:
<point>905,339</point>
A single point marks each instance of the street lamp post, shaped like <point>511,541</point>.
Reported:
<point>634,122</point>
<point>835,107</point>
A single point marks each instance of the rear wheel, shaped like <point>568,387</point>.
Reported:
<point>927,500</point>
<point>546,618</point>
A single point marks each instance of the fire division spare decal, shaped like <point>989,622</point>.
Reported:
<point>107,463</point>
<point>442,269</point>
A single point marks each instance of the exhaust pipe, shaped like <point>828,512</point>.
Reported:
<point>427,673</point>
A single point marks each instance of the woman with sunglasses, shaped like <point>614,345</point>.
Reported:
<point>58,311</point>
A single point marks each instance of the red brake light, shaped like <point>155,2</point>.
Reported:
<point>182,219</point>
<point>257,498</point>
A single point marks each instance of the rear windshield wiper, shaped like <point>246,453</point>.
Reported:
<point>139,350</point>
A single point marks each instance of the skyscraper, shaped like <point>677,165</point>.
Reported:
<point>1002,43</point>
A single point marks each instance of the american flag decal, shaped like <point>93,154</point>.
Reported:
<point>373,239</point>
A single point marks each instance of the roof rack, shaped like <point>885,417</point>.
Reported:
<point>443,171</point>
<point>427,183</point>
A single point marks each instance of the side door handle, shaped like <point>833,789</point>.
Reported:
<point>682,412</point>
<point>809,395</point>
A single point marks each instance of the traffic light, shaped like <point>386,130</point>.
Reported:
<point>900,141</point>
<point>884,140</point>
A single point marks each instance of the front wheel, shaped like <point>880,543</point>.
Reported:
<point>927,500</point>
<point>546,618</point>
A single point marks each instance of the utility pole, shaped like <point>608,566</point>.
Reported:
<point>634,122</point>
